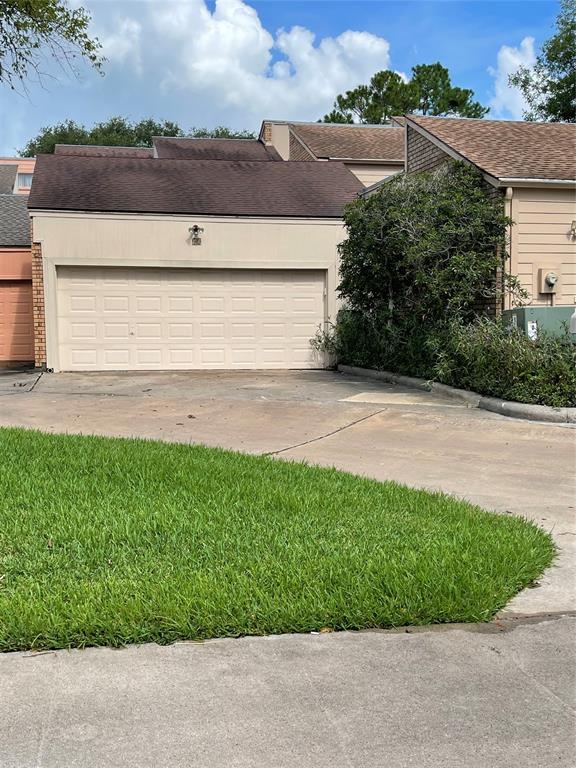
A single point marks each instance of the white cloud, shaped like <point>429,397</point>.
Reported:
<point>508,102</point>
<point>123,45</point>
<point>229,57</point>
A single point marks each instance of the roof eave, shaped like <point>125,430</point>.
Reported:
<point>371,160</point>
<point>514,181</point>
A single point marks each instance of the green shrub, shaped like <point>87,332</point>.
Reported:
<point>484,356</point>
<point>492,359</point>
<point>422,268</point>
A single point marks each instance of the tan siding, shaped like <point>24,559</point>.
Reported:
<point>371,173</point>
<point>541,239</point>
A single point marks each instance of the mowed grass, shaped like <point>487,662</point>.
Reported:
<point>111,541</point>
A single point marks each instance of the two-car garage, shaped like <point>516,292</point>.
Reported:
<point>185,264</point>
<point>172,319</point>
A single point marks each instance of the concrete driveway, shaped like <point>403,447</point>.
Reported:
<point>480,696</point>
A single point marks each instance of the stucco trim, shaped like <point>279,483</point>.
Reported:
<point>183,217</point>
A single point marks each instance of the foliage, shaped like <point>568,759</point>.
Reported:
<point>30,29</point>
<point>420,264</point>
<point>324,339</point>
<point>550,86</point>
<point>492,359</point>
<point>484,356</point>
<point>424,247</point>
<point>429,92</point>
<point>221,132</point>
<point>109,541</point>
<point>119,132</point>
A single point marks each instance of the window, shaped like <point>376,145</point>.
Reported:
<point>24,180</point>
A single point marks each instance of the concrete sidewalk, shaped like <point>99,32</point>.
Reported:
<point>445,698</point>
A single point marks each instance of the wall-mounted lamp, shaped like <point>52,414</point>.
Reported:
<point>195,234</point>
<point>573,229</point>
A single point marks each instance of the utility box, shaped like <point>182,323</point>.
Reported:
<point>553,320</point>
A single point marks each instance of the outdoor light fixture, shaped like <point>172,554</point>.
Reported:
<point>195,233</point>
<point>573,229</point>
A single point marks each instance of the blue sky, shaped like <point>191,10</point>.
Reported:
<point>235,62</point>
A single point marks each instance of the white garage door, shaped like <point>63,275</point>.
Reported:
<point>143,318</point>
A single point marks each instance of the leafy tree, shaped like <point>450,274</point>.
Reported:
<point>118,132</point>
<point>429,92</point>
<point>220,132</point>
<point>32,29</point>
<point>435,94</point>
<point>550,86</point>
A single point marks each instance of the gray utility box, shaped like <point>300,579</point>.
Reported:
<point>553,320</point>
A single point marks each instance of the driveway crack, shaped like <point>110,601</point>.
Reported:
<point>328,434</point>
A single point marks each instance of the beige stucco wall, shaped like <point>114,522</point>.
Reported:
<point>541,239</point>
<point>371,173</point>
<point>145,240</point>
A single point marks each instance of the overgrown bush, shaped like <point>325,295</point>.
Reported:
<point>421,270</point>
<point>426,247</point>
<point>493,359</point>
<point>484,356</point>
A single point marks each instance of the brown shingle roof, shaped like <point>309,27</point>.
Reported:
<point>509,150</point>
<point>89,150</point>
<point>214,149</point>
<point>352,142</point>
<point>210,187</point>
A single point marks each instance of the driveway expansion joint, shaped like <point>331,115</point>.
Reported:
<point>328,434</point>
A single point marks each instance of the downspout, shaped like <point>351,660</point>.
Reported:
<point>508,210</point>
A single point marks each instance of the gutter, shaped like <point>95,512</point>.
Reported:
<point>518,181</point>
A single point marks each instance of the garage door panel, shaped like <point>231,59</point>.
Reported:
<point>110,318</point>
<point>16,321</point>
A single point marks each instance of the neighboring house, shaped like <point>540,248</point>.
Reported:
<point>24,172</point>
<point>533,167</point>
<point>16,316</point>
<point>371,152</point>
<point>201,254</point>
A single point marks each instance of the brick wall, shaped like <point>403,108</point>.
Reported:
<point>423,155</point>
<point>267,133</point>
<point>38,305</point>
<point>297,151</point>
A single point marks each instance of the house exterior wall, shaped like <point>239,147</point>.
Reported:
<point>371,173</point>
<point>279,138</point>
<point>25,165</point>
<point>541,239</point>
<point>422,154</point>
<point>126,240</point>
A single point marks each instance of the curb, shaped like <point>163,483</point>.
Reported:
<point>471,399</point>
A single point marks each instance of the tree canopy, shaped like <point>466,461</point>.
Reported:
<point>428,92</point>
<point>32,31</point>
<point>549,87</point>
<point>119,132</point>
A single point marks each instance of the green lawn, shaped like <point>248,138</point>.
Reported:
<point>126,541</point>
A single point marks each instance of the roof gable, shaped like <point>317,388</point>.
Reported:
<point>506,149</point>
